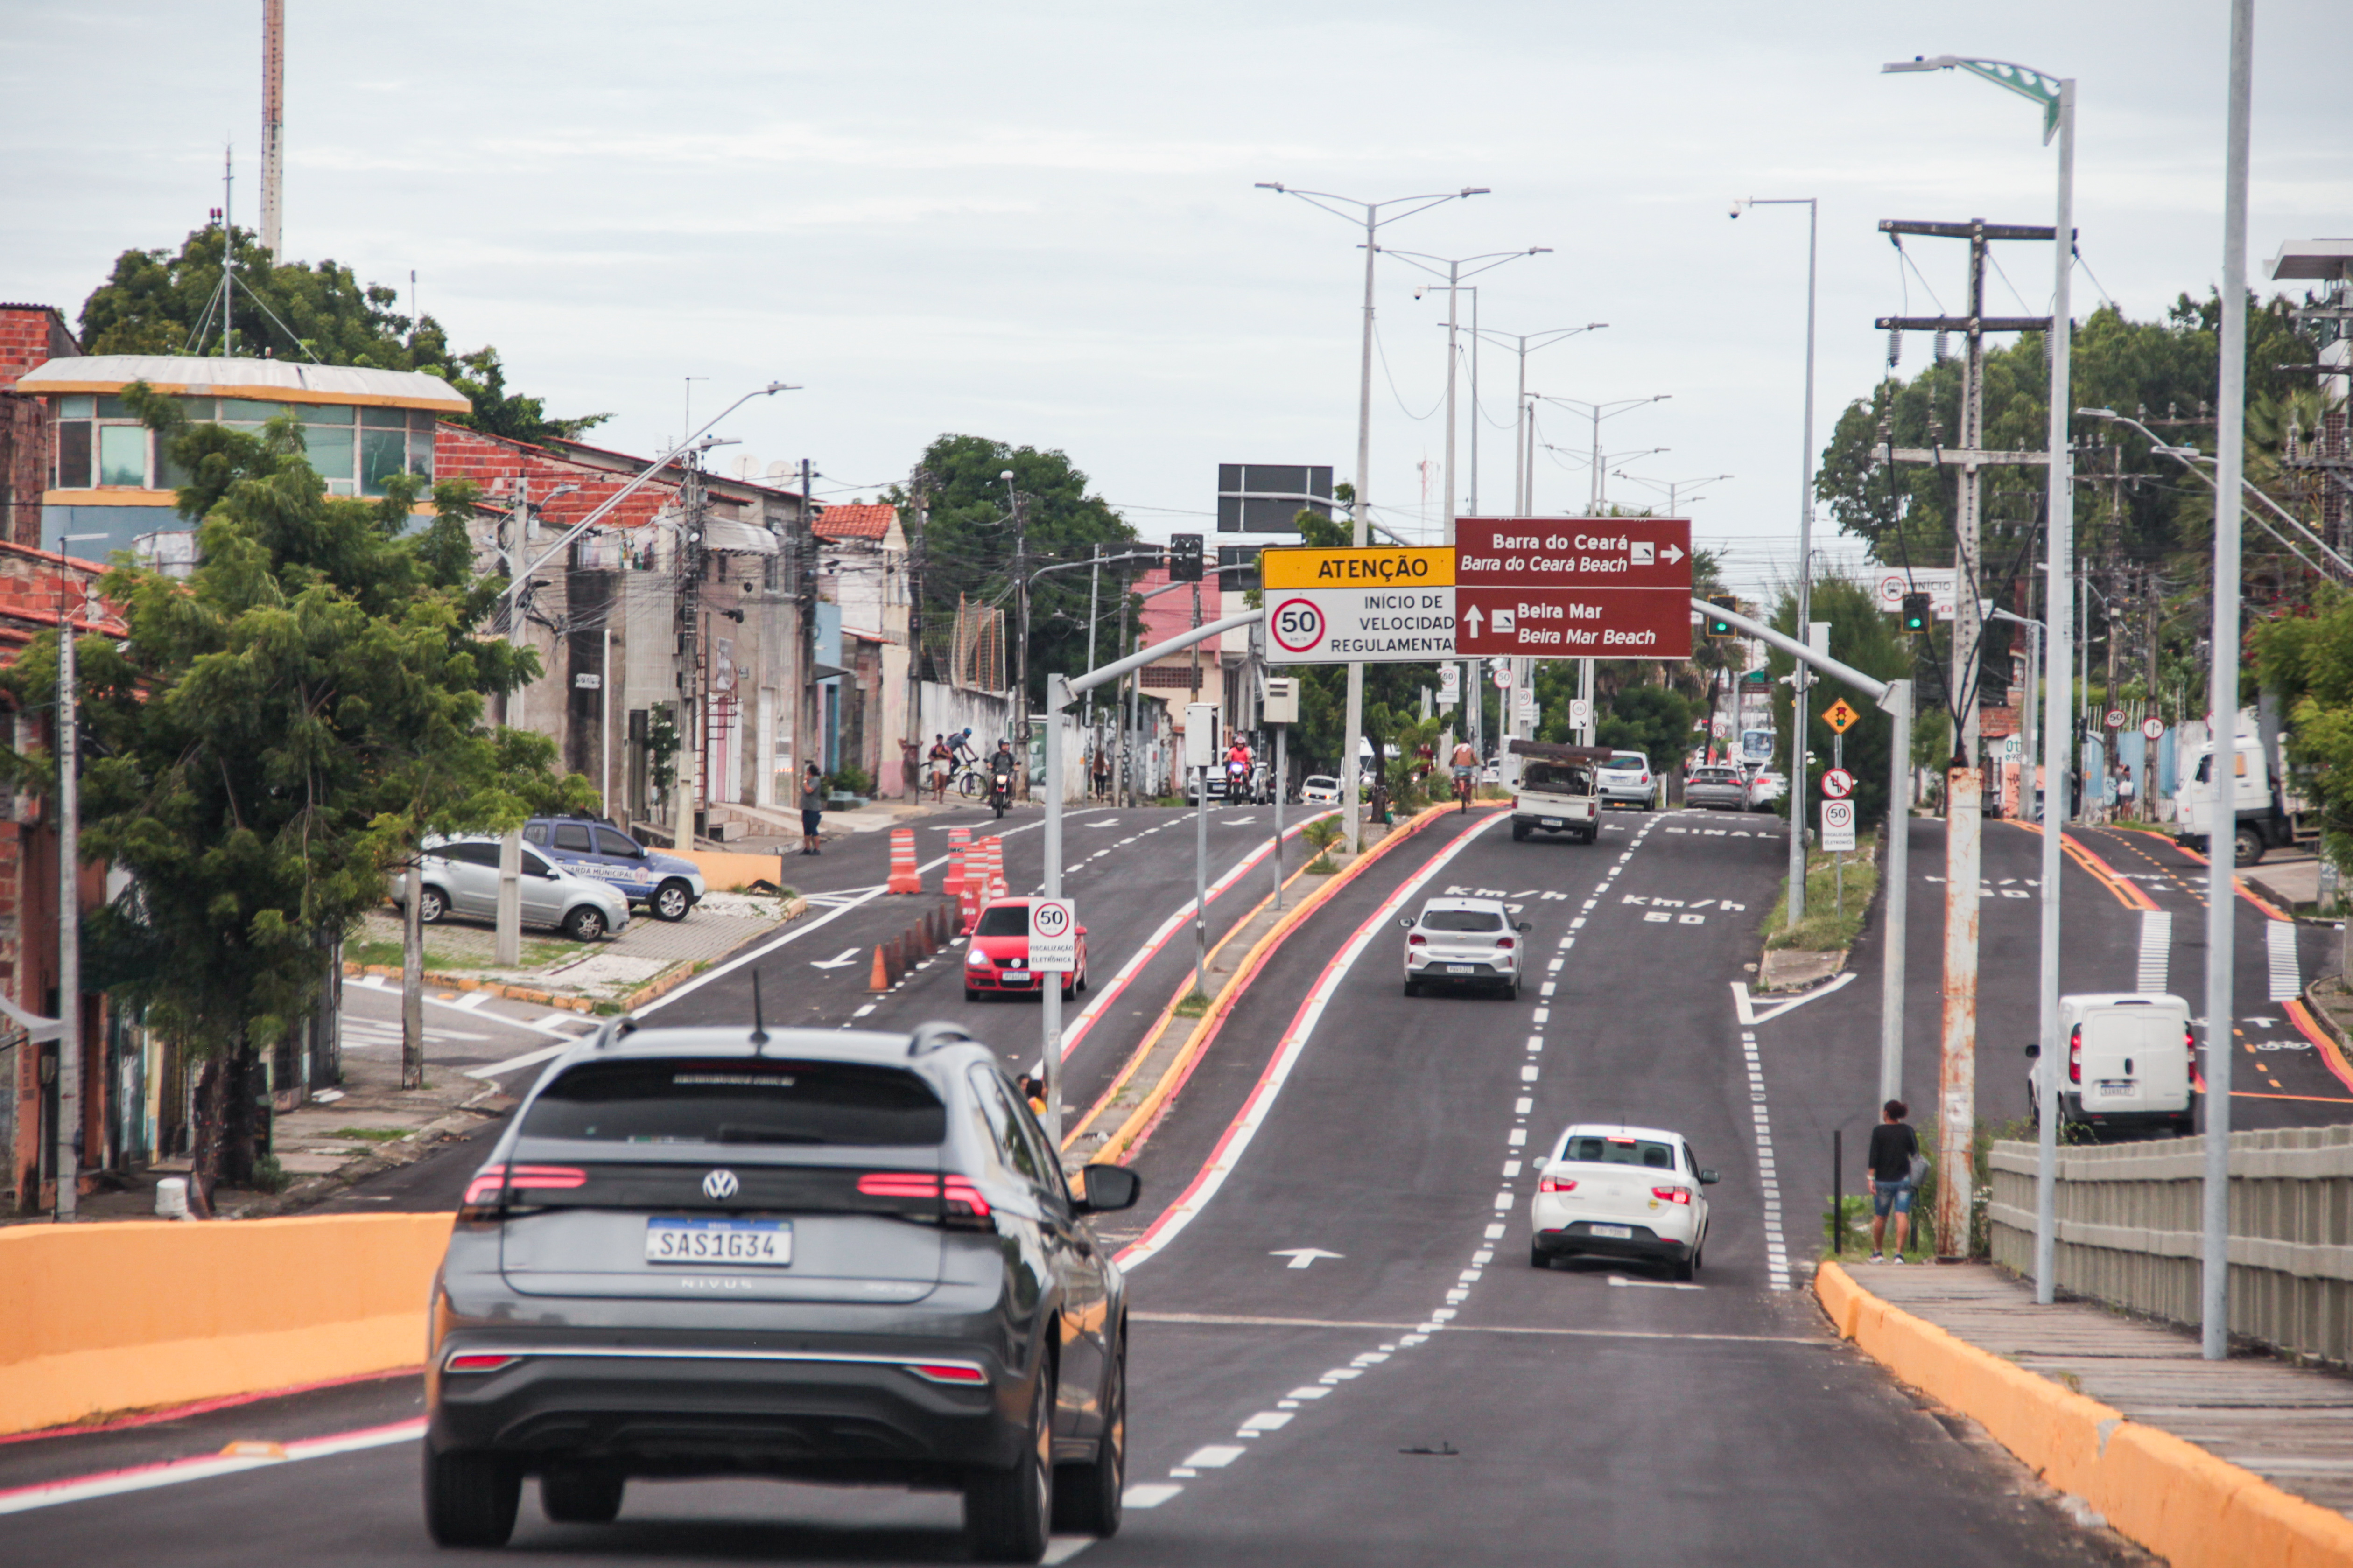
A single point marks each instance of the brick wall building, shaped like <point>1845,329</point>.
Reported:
<point>30,336</point>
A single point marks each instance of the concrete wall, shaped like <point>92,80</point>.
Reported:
<point>2128,1230</point>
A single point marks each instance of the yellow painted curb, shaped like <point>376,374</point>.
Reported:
<point>2165,1492</point>
<point>1117,1146</point>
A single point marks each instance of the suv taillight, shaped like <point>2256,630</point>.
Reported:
<point>1555,1185</point>
<point>964,1203</point>
<point>491,1179</point>
<point>1503,941</point>
<point>1417,940</point>
<point>2075,1054</point>
<point>1671,1195</point>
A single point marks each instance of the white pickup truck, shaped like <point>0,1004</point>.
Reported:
<point>1555,791</point>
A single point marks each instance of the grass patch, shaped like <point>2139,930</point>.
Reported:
<point>1192,1006</point>
<point>1825,927</point>
<point>1321,866</point>
<point>446,952</point>
<point>371,1135</point>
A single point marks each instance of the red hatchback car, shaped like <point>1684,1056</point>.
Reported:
<point>997,959</point>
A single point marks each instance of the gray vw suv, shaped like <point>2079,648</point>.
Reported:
<point>814,1255</point>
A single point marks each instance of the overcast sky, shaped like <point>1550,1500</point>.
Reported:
<point>1036,222</point>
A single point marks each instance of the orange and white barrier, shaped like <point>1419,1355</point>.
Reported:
<point>959,852</point>
<point>904,878</point>
<point>997,888</point>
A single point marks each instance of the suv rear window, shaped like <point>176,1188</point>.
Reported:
<point>1004,920</point>
<point>1646,1153</point>
<point>1460,920</point>
<point>737,1102</point>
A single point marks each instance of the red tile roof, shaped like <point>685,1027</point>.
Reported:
<point>855,521</point>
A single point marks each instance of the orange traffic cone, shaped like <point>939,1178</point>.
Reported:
<point>959,851</point>
<point>880,980</point>
<point>904,878</point>
<point>969,904</point>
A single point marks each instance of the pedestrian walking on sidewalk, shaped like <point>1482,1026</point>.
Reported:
<point>812,809</point>
<point>1896,1166</point>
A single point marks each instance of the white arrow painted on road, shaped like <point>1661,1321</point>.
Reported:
<point>1305,1257</point>
<point>845,957</point>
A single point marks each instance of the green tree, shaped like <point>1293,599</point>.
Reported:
<point>163,302</point>
<point>971,548</point>
<point>1867,638</point>
<point>2308,661</point>
<point>270,742</point>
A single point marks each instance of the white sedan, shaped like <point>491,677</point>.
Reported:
<point>1320,789</point>
<point>1611,1190</point>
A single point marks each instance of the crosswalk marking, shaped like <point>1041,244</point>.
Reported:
<point>2287,980</point>
<point>2155,950</point>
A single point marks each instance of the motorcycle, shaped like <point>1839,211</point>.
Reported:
<point>1001,793</point>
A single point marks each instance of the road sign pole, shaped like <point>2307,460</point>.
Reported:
<point>1050,1012</point>
<point>1838,866</point>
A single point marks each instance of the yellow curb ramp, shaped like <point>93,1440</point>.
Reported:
<point>2165,1493</point>
<point>1130,1132</point>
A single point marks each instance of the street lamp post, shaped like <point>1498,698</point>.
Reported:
<point>1525,344</point>
<point>1674,487</point>
<point>1801,714</point>
<point>2057,98</point>
<point>1367,214</point>
<point>1454,273</point>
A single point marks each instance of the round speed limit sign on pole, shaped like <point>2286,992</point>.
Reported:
<point>1297,626</point>
<point>1053,936</point>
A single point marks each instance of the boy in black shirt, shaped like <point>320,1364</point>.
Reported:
<point>1893,1146</point>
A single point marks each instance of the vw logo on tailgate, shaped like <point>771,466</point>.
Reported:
<point>719,1185</point>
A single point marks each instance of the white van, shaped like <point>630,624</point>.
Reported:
<point>2127,1065</point>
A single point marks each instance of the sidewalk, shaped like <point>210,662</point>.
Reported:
<point>610,976</point>
<point>2291,1425</point>
<point>372,1125</point>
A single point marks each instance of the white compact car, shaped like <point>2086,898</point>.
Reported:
<point>2129,1061</point>
<point>1621,1191</point>
<point>1320,789</point>
<point>1463,942</point>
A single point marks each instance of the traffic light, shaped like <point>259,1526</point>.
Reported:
<point>1717,626</point>
<point>1915,613</point>
<point>1184,558</point>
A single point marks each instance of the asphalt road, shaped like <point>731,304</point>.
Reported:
<point>1417,1393</point>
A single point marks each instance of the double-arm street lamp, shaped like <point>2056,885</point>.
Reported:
<point>1675,489</point>
<point>1370,216</point>
<point>1523,448</point>
<point>1454,270</point>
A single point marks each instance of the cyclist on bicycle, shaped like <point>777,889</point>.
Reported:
<point>1465,762</point>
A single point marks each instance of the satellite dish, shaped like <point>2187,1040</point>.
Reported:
<point>780,470</point>
<point>744,466</point>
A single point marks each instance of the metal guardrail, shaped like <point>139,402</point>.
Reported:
<point>2128,1231</point>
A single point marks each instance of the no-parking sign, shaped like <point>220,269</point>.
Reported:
<point>1053,936</point>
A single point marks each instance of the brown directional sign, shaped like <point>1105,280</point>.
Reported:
<point>1840,716</point>
<point>1572,587</point>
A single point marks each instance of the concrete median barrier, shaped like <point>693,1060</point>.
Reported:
<point>2165,1493</point>
<point>98,1320</point>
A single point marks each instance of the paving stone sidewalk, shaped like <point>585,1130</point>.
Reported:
<point>2292,1425</point>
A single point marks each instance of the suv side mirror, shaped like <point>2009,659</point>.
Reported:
<point>1709,1178</point>
<point>1405,921</point>
<point>1523,926</point>
<point>1108,1189</point>
<point>2033,1050</point>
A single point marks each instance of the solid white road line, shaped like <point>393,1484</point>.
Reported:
<point>145,1478</point>
<point>1244,1128</point>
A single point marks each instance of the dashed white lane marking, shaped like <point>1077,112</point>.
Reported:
<point>1149,1496</point>
<point>145,1477</point>
<point>2155,950</point>
<point>2287,981</point>
<point>1216,1457</point>
<point>1768,1182</point>
<point>475,1000</point>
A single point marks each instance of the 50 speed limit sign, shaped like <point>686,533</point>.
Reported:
<point>1053,935</point>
